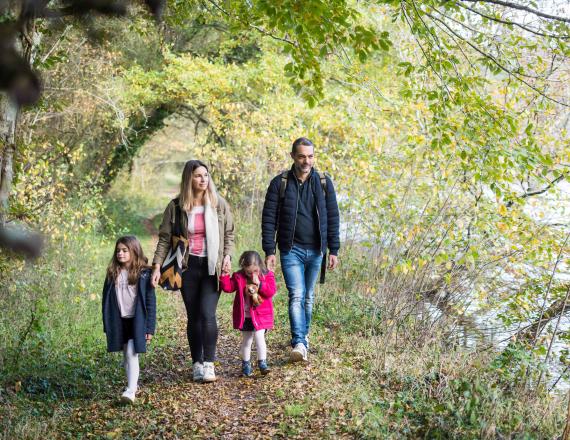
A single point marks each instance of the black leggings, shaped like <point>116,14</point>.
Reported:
<point>200,295</point>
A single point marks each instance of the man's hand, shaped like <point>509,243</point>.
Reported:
<point>333,262</point>
<point>270,262</point>
<point>155,278</point>
<point>148,337</point>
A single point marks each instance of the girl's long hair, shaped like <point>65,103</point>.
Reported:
<point>252,257</point>
<point>186,191</point>
<point>138,260</point>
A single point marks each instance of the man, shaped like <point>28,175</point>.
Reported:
<point>301,209</point>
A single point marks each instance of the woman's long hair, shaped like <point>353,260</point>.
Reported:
<point>186,191</point>
<point>138,260</point>
<point>249,258</point>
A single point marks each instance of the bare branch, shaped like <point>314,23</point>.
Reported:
<point>545,189</point>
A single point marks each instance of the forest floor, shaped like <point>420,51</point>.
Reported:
<point>292,401</point>
<point>170,405</point>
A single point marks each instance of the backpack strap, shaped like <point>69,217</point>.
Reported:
<point>283,186</point>
<point>323,178</point>
<point>177,217</point>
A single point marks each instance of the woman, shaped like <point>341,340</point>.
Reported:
<point>210,231</point>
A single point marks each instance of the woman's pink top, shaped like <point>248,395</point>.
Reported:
<point>261,315</point>
<point>197,232</point>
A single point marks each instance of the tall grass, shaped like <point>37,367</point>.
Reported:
<point>402,370</point>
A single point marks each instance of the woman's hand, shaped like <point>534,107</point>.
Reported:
<point>155,277</point>
<point>226,264</point>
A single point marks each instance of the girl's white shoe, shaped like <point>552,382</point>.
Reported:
<point>197,372</point>
<point>128,396</point>
<point>209,375</point>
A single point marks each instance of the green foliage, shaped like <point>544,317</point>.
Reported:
<point>309,32</point>
<point>436,140</point>
<point>124,154</point>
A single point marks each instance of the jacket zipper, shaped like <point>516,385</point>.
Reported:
<point>319,225</point>
<point>296,211</point>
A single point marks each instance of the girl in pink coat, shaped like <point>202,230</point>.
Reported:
<point>254,286</point>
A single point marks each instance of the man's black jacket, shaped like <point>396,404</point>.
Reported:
<point>327,211</point>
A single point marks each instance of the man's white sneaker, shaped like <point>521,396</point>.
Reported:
<point>128,396</point>
<point>209,374</point>
<point>299,353</point>
<point>197,372</point>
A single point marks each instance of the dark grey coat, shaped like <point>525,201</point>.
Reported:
<point>145,314</point>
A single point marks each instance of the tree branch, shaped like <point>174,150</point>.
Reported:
<point>512,23</point>
<point>518,7</point>
<point>545,189</point>
<point>496,62</point>
<point>257,28</point>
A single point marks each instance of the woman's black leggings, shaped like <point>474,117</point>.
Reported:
<point>200,295</point>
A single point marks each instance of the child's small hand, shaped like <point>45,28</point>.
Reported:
<point>255,279</point>
<point>148,337</point>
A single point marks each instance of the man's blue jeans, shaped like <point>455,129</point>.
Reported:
<point>301,268</point>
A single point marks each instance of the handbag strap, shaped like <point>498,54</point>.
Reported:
<point>177,218</point>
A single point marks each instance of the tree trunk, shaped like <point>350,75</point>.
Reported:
<point>8,118</point>
<point>14,238</point>
<point>27,45</point>
<point>557,308</point>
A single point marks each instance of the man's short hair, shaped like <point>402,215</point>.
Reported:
<point>301,141</point>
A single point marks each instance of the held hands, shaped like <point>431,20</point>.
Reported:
<point>226,265</point>
<point>270,262</point>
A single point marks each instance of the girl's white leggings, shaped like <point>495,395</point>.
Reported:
<point>131,364</point>
<point>246,341</point>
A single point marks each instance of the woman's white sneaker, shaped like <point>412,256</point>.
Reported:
<point>209,374</point>
<point>197,372</point>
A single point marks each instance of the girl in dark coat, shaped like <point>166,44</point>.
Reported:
<point>129,308</point>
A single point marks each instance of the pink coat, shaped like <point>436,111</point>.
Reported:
<point>261,315</point>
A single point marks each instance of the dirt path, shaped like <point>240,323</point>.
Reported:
<point>170,405</point>
<point>284,404</point>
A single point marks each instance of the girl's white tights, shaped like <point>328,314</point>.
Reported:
<point>247,339</point>
<point>131,365</point>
